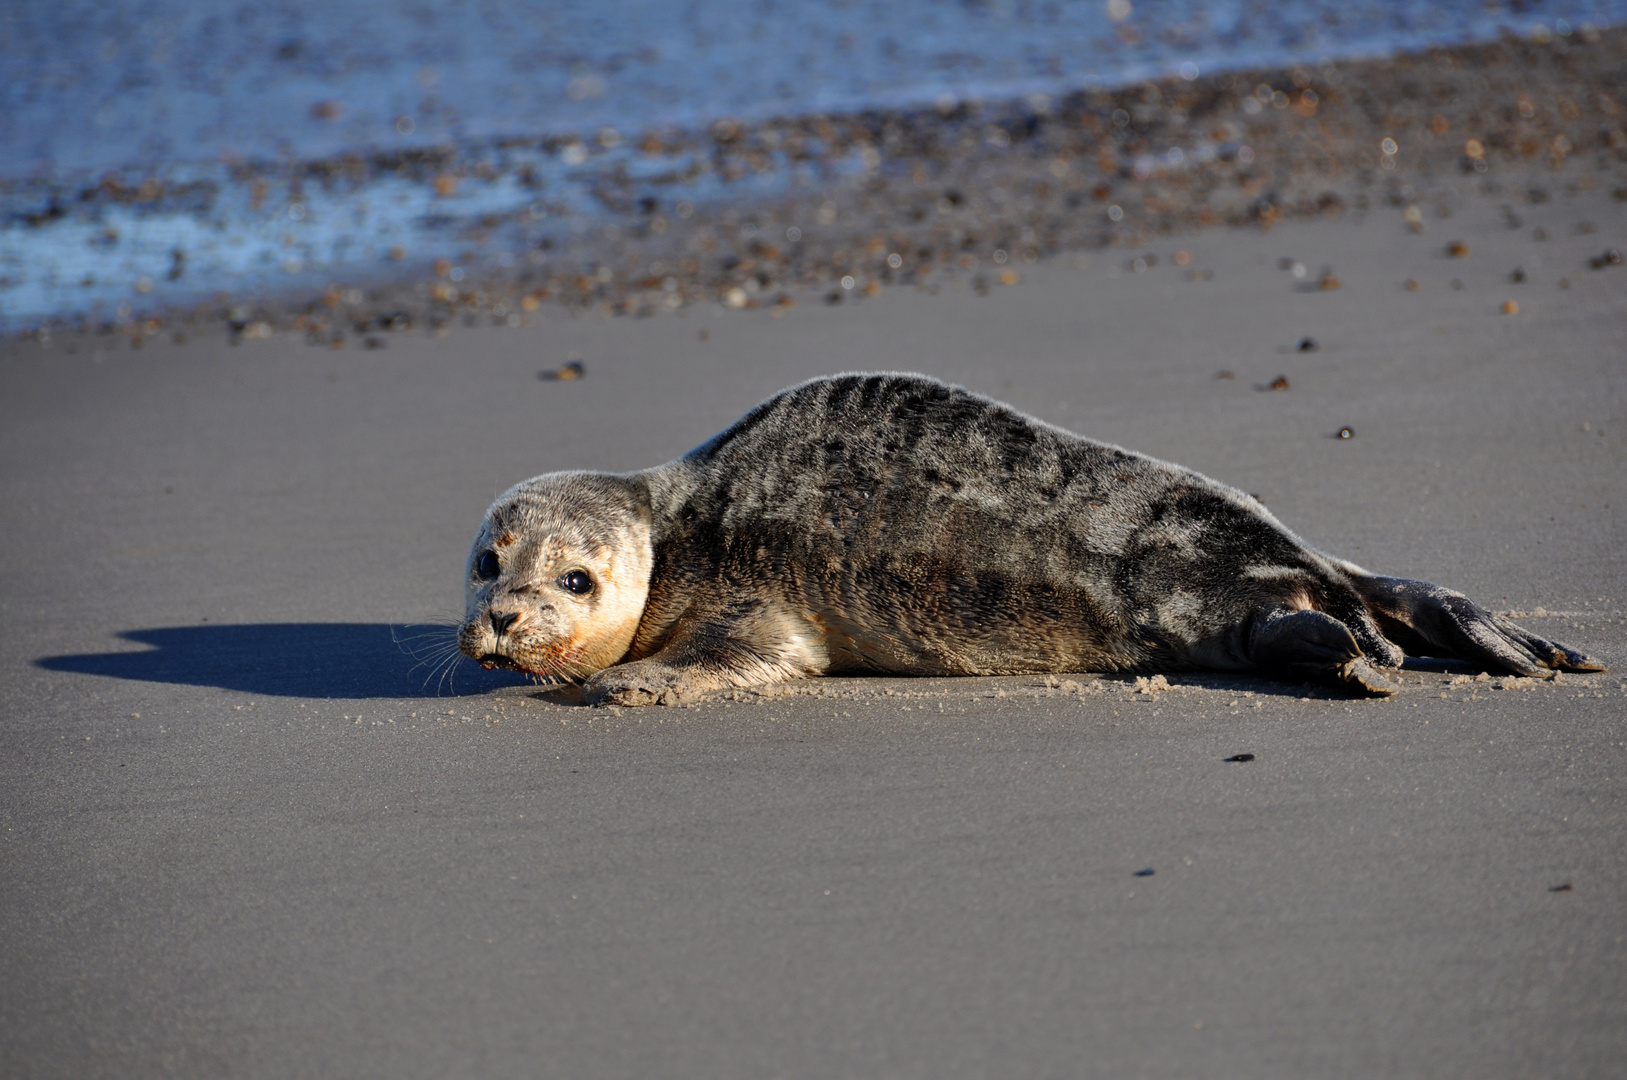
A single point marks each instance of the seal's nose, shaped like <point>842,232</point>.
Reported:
<point>502,620</point>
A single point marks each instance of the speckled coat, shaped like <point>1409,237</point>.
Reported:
<point>889,523</point>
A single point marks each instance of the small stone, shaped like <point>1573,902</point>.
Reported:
<point>1240,757</point>
<point>1346,433</point>
<point>1279,383</point>
<point>1412,285</point>
<point>1457,249</point>
<point>569,373</point>
<point>1306,344</point>
<point>1511,307</point>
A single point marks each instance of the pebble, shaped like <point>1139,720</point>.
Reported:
<point>1279,383</point>
<point>568,373</point>
<point>1240,757</point>
<point>1457,249</point>
<point>1346,433</point>
<point>1511,307</point>
<point>1307,344</point>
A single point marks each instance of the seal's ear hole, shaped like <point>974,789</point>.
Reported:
<point>576,581</point>
<point>486,566</point>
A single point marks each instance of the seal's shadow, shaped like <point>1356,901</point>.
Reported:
<point>316,660</point>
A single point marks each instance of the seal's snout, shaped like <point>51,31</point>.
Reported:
<point>502,620</point>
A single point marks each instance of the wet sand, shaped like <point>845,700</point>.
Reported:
<point>243,834</point>
<point>753,215</point>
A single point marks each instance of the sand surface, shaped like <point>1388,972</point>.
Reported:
<point>243,836</point>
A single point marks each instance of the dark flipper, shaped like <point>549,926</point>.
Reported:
<point>1427,620</point>
<point>1313,645</point>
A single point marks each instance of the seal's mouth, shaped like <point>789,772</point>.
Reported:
<point>495,660</point>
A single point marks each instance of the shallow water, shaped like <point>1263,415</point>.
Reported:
<point>202,99</point>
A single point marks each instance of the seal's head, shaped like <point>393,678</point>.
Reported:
<point>558,575</point>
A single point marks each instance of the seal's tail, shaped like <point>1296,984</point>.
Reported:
<point>1427,620</point>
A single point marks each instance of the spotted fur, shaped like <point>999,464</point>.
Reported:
<point>893,524</point>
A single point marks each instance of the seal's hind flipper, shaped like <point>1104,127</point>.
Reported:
<point>1428,620</point>
<point>1313,645</point>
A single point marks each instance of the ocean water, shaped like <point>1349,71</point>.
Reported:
<point>201,101</point>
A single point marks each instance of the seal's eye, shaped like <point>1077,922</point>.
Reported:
<point>486,566</point>
<point>577,582</point>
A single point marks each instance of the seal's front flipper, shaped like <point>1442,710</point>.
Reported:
<point>647,682</point>
<point>1427,620</point>
<point>1313,645</point>
<point>749,644</point>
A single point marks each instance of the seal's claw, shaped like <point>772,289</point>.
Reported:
<point>1360,673</point>
<point>1568,659</point>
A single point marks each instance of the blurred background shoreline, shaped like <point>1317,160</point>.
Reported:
<point>159,156</point>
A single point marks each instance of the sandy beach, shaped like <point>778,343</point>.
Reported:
<point>246,832</point>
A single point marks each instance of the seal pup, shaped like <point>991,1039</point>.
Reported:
<point>893,524</point>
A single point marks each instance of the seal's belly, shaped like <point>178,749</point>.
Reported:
<point>917,616</point>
